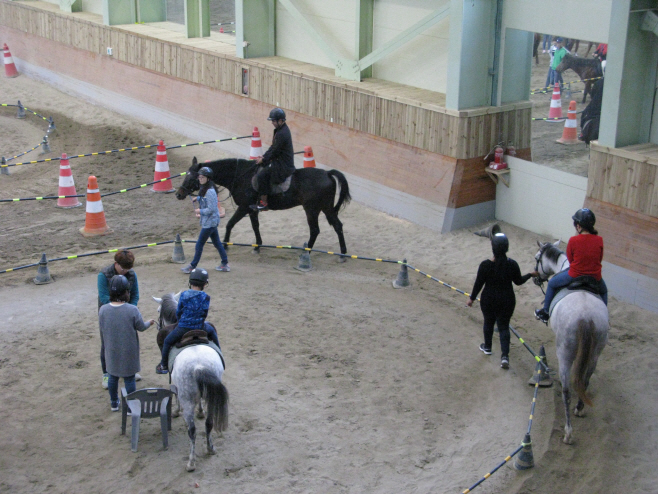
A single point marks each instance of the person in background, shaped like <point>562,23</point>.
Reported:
<point>550,77</point>
<point>119,322</point>
<point>278,161</point>
<point>560,52</point>
<point>123,265</point>
<point>498,300</point>
<point>585,253</point>
<point>546,43</point>
<point>209,220</point>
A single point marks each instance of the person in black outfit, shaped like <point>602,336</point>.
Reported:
<point>498,300</point>
<point>591,116</point>
<point>278,161</point>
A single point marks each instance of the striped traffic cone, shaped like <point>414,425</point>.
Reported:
<point>556,104</point>
<point>162,171</point>
<point>570,134</point>
<point>256,150</point>
<point>309,160</point>
<point>10,67</point>
<point>95,221</point>
<point>66,185</point>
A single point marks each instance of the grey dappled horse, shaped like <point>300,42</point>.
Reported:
<point>197,376</point>
<point>580,323</point>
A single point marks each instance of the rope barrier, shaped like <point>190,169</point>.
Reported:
<point>109,251</point>
<point>102,195</point>
<point>147,146</point>
<point>51,126</point>
<point>391,261</point>
<point>545,89</point>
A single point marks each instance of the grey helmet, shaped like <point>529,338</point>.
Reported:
<point>277,114</point>
<point>499,244</point>
<point>119,285</point>
<point>199,276</point>
<point>206,172</point>
<point>585,218</point>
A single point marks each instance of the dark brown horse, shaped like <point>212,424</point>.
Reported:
<point>535,47</point>
<point>588,69</point>
<point>312,188</point>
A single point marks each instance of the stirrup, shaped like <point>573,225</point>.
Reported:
<point>541,315</point>
<point>260,206</point>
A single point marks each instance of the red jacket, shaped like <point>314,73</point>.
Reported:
<point>585,253</point>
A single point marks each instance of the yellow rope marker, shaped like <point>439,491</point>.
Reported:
<point>125,190</point>
<point>9,270</point>
<point>112,250</point>
<point>355,257</point>
<point>329,252</point>
<point>151,245</point>
<point>71,257</point>
<point>378,259</point>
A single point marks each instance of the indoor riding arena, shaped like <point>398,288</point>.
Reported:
<point>338,382</point>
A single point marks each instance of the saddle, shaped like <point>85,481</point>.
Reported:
<point>580,284</point>
<point>274,188</point>
<point>193,337</point>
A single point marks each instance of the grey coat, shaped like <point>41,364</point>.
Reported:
<point>119,325</point>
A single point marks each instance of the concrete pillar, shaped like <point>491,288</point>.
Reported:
<point>633,56</point>
<point>470,67</point>
<point>119,12</point>
<point>364,25</point>
<point>514,78</point>
<point>255,28</point>
<point>197,18</point>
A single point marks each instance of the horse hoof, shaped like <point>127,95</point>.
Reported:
<point>212,451</point>
<point>175,414</point>
<point>342,259</point>
<point>256,250</point>
<point>200,415</point>
<point>567,440</point>
<point>190,467</point>
<point>579,413</point>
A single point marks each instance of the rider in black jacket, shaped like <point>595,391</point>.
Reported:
<point>278,161</point>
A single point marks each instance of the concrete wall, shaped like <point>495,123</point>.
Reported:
<point>585,19</point>
<point>540,199</point>
<point>421,62</point>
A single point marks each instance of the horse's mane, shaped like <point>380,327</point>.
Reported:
<point>581,61</point>
<point>551,252</point>
<point>168,309</point>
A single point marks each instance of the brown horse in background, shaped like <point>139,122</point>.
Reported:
<point>535,47</point>
<point>587,69</point>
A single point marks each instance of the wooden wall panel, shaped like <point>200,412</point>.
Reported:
<point>625,179</point>
<point>629,237</point>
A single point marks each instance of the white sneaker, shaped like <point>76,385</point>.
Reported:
<point>504,363</point>
<point>138,377</point>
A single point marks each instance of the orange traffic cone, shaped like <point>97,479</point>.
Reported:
<point>95,221</point>
<point>221,29</point>
<point>556,104</point>
<point>256,150</point>
<point>570,134</point>
<point>10,67</point>
<point>309,160</point>
<point>162,171</point>
<point>66,185</point>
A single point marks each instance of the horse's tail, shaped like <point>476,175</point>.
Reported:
<point>586,344</point>
<point>216,396</point>
<point>344,198</point>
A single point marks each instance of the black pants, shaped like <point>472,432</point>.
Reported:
<point>496,312</point>
<point>103,355</point>
<point>264,180</point>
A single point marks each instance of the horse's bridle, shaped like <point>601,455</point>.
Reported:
<point>539,280</point>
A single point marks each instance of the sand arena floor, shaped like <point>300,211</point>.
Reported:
<point>338,383</point>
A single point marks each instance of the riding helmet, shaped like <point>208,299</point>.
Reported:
<point>277,114</point>
<point>585,218</point>
<point>119,285</point>
<point>206,172</point>
<point>199,276</point>
<point>499,244</point>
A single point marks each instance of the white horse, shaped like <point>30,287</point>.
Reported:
<point>197,375</point>
<point>580,323</point>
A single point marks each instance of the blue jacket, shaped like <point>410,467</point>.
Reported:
<point>192,309</point>
<point>208,209</point>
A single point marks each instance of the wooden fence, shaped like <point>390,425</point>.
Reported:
<point>462,135</point>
